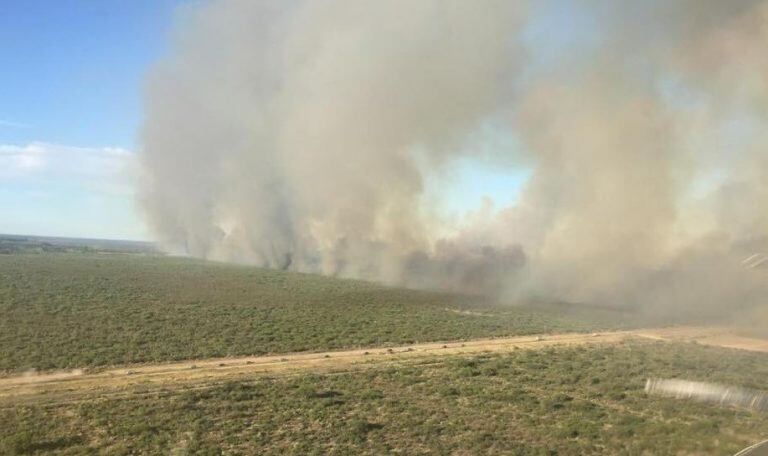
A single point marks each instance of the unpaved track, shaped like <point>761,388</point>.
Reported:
<point>195,372</point>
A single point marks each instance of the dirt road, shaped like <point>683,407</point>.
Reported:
<point>148,377</point>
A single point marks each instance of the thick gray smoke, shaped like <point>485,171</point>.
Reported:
<point>302,134</point>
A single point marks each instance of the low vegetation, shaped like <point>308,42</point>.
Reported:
<point>91,309</point>
<point>579,400</point>
<point>86,310</point>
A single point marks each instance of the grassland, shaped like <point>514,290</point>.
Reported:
<point>89,310</point>
<point>579,400</point>
<point>67,310</point>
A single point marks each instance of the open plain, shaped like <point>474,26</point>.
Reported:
<point>144,354</point>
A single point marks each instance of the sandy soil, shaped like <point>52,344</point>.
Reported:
<point>188,373</point>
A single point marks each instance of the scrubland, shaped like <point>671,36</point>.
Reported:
<point>577,400</point>
<point>88,310</point>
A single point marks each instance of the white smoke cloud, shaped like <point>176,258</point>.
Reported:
<point>301,134</point>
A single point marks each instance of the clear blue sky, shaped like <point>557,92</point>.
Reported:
<point>72,69</point>
<point>70,106</point>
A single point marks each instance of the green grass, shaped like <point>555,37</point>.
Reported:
<point>573,401</point>
<point>90,310</point>
<point>87,310</point>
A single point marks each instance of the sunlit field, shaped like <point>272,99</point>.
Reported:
<point>87,310</point>
<point>583,400</point>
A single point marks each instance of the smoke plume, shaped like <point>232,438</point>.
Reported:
<point>302,135</point>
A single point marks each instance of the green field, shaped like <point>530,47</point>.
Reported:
<point>87,310</point>
<point>582,400</point>
<point>67,310</point>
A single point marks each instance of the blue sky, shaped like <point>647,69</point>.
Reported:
<point>70,92</point>
<point>71,101</point>
<point>72,69</point>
